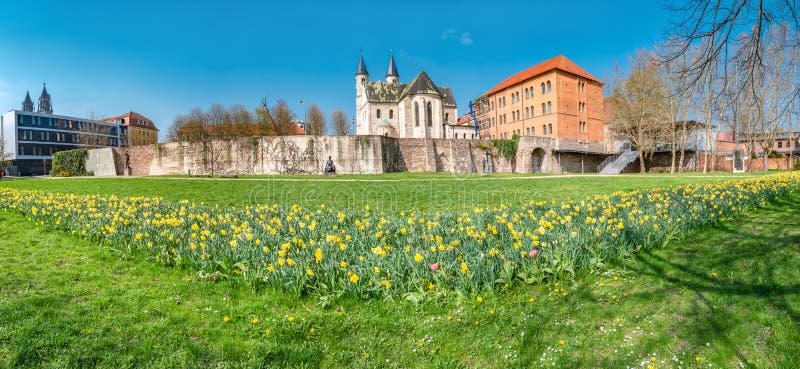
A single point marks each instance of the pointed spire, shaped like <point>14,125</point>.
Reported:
<point>392,70</point>
<point>27,105</point>
<point>44,91</point>
<point>45,103</point>
<point>362,68</point>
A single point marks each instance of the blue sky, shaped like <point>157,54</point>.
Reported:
<point>163,58</point>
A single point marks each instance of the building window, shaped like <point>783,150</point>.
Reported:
<point>544,109</point>
<point>416,114</point>
<point>446,117</point>
<point>780,144</point>
<point>549,87</point>
<point>533,131</point>
<point>549,107</point>
<point>550,128</point>
<point>429,115</point>
<point>544,129</point>
<point>391,114</point>
<point>527,112</point>
<point>543,90</point>
<point>378,113</point>
<point>526,94</point>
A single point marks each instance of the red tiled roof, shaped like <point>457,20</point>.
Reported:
<point>559,62</point>
<point>130,119</point>
<point>465,119</point>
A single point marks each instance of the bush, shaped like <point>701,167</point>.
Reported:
<point>507,148</point>
<point>69,163</point>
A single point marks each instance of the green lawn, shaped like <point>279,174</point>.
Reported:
<point>388,192</point>
<point>723,297</point>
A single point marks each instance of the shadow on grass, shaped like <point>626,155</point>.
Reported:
<point>735,272</point>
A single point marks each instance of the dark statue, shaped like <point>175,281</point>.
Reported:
<point>127,160</point>
<point>329,167</point>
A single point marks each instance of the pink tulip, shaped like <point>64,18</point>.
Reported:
<point>533,253</point>
<point>434,266</point>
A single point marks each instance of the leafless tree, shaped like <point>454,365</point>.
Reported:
<point>727,33</point>
<point>283,119</point>
<point>339,122</point>
<point>316,120</point>
<point>636,106</point>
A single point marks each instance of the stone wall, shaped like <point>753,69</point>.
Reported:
<point>350,155</point>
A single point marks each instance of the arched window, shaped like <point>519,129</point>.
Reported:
<point>429,115</point>
<point>543,90</point>
<point>544,109</point>
<point>544,129</point>
<point>519,115</point>
<point>391,114</point>
<point>447,117</point>
<point>527,112</point>
<point>549,107</point>
<point>549,87</point>
<point>533,131</point>
<point>378,113</point>
<point>513,116</point>
<point>526,94</point>
<point>416,114</point>
<point>550,128</point>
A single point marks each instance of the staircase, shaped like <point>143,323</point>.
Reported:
<point>615,164</point>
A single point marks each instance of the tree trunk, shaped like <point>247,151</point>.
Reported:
<point>641,162</point>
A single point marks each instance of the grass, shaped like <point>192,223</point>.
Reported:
<point>726,296</point>
<point>388,192</point>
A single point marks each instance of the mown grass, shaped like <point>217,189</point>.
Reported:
<point>388,192</point>
<point>726,296</point>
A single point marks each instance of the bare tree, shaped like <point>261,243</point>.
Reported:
<point>283,119</point>
<point>636,106</point>
<point>729,32</point>
<point>316,120</point>
<point>339,122</point>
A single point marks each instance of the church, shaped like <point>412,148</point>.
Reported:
<point>418,109</point>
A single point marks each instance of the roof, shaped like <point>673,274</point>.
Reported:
<point>362,68</point>
<point>392,70</point>
<point>464,120</point>
<point>28,98</point>
<point>132,119</point>
<point>44,91</point>
<point>559,62</point>
<point>421,84</point>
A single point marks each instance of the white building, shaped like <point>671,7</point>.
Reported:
<point>418,109</point>
<point>29,139</point>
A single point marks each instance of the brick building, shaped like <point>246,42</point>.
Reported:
<point>136,129</point>
<point>554,99</point>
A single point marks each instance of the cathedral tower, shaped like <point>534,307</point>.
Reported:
<point>45,103</point>
<point>27,105</point>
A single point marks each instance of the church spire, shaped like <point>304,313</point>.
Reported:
<point>392,70</point>
<point>27,105</point>
<point>362,68</point>
<point>45,103</point>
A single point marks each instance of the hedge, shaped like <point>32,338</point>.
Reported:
<point>69,163</point>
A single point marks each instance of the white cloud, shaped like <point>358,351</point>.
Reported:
<point>451,34</point>
<point>465,39</point>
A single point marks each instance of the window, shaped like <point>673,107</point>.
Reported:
<point>526,94</point>
<point>544,109</point>
<point>533,131</point>
<point>416,114</point>
<point>518,99</point>
<point>519,115</point>
<point>429,115</point>
<point>513,98</point>
<point>378,113</point>
<point>447,117</point>
<point>550,128</point>
<point>780,144</point>
<point>549,107</point>
<point>527,113</point>
<point>549,87</point>
<point>533,112</point>
<point>513,116</point>
<point>544,129</point>
<point>543,91</point>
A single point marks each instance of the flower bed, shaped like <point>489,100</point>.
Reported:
<point>365,253</point>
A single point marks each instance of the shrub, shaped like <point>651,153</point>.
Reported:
<point>507,148</point>
<point>69,163</point>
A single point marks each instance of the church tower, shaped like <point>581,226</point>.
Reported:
<point>27,105</point>
<point>45,104</point>
<point>362,77</point>
<point>391,73</point>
